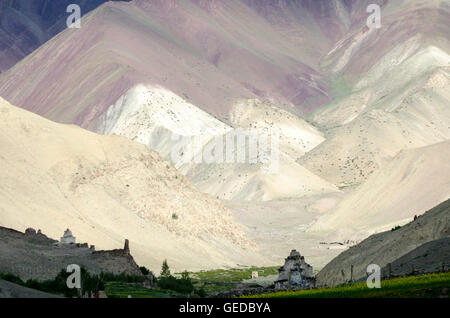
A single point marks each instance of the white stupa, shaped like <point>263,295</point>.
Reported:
<point>68,238</point>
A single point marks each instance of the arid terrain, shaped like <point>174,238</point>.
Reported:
<point>57,176</point>
<point>358,115</point>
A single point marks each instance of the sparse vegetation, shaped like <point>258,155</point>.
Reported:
<point>396,228</point>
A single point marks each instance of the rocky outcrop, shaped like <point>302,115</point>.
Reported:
<point>32,255</point>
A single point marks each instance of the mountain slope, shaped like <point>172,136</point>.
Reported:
<point>414,181</point>
<point>430,257</point>
<point>386,247</point>
<point>214,54</point>
<point>153,116</point>
<point>362,48</point>
<point>390,92</point>
<point>107,189</point>
<point>407,109</point>
<point>25,25</point>
<point>255,182</point>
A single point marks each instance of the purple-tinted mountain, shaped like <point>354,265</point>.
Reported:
<point>27,24</point>
<point>212,52</point>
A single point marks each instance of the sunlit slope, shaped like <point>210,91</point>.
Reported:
<point>107,189</point>
<point>256,182</point>
<point>279,177</point>
<point>413,182</point>
<point>296,136</point>
<point>158,118</point>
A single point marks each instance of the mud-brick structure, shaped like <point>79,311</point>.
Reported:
<point>295,274</point>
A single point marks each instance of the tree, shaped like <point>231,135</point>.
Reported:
<point>165,270</point>
<point>185,275</point>
<point>144,270</point>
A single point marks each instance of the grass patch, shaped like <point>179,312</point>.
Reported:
<point>235,275</point>
<point>425,286</point>
<point>224,280</point>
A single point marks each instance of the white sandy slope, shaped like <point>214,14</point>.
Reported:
<point>257,181</point>
<point>413,182</point>
<point>252,182</point>
<point>153,115</point>
<point>297,137</point>
<point>106,189</point>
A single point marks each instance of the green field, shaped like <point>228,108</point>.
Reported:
<point>223,280</point>
<point>235,275</point>
<point>428,286</point>
<point>213,281</point>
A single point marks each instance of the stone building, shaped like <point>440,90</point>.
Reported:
<point>68,238</point>
<point>295,274</point>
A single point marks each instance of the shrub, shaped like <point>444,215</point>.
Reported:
<point>183,286</point>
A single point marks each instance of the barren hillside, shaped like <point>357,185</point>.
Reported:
<point>413,182</point>
<point>107,189</point>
